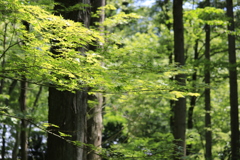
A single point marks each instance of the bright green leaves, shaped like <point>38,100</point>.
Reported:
<point>50,125</point>
<point>69,67</point>
<point>64,135</point>
<point>207,15</point>
<point>121,18</point>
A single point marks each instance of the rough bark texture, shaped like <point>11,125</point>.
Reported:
<point>180,105</point>
<point>233,86</point>
<point>66,109</point>
<point>95,126</point>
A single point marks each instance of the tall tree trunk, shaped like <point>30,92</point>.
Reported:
<point>207,93</point>
<point>95,126</point>
<point>66,109</point>
<point>23,107</point>
<point>233,85</point>
<point>179,131</point>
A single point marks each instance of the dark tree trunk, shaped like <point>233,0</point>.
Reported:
<point>179,130</point>
<point>66,109</point>
<point>207,93</point>
<point>233,85</point>
<point>23,108</point>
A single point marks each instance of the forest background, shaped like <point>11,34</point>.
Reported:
<point>121,79</point>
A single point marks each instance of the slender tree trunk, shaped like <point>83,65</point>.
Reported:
<point>179,131</point>
<point>193,98</point>
<point>66,109</point>
<point>23,108</point>
<point>207,93</point>
<point>233,85</point>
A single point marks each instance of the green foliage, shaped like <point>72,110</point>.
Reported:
<point>207,15</point>
<point>133,68</point>
<point>36,61</point>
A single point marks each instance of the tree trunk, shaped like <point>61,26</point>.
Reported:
<point>95,126</point>
<point>23,108</point>
<point>233,85</point>
<point>179,130</point>
<point>207,93</point>
<point>66,109</point>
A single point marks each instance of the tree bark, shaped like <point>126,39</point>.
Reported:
<point>23,108</point>
<point>207,93</point>
<point>233,85</point>
<point>95,126</point>
<point>66,109</point>
<point>179,130</point>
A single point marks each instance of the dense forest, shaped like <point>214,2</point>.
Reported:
<point>119,79</point>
